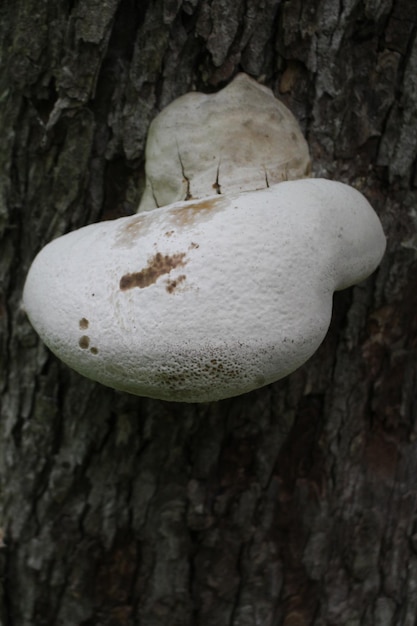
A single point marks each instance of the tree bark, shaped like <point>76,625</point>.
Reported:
<point>293,505</point>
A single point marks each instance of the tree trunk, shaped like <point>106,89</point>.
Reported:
<point>293,505</point>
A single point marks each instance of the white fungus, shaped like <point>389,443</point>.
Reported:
<point>228,285</point>
<point>239,139</point>
<point>202,300</point>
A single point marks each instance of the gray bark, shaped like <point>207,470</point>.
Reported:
<point>292,505</point>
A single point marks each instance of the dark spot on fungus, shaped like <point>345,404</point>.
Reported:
<point>193,245</point>
<point>84,342</point>
<point>158,265</point>
<point>173,284</point>
<point>169,233</point>
<point>94,350</point>
<point>83,323</point>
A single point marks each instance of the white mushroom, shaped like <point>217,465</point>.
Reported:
<point>239,139</point>
<point>203,300</point>
<point>209,296</point>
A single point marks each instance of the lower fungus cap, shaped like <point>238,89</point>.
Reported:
<point>199,301</point>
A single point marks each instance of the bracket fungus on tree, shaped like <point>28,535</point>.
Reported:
<point>226,287</point>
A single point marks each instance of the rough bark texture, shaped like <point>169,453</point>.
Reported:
<point>292,505</point>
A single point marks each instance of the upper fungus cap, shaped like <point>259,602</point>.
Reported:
<point>203,300</point>
<point>239,139</point>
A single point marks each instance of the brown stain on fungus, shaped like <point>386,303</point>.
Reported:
<point>83,323</point>
<point>94,350</point>
<point>173,284</point>
<point>128,234</point>
<point>190,212</point>
<point>84,342</point>
<point>158,265</point>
